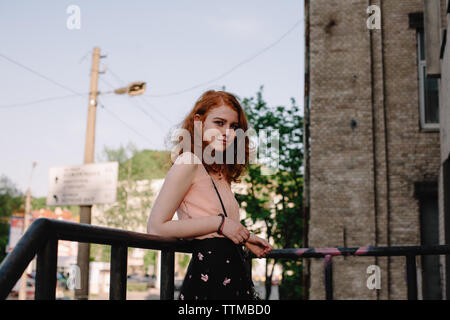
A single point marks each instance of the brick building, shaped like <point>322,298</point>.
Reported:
<point>444,119</point>
<point>374,141</point>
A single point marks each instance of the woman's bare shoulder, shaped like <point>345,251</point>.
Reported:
<point>188,157</point>
<point>182,173</point>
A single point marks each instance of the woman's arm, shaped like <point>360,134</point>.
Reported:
<point>259,246</point>
<point>176,184</point>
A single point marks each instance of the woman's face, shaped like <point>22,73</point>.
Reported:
<point>219,126</point>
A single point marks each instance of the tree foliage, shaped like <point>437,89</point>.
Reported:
<point>277,198</point>
<point>137,169</point>
<point>41,203</point>
<point>11,201</point>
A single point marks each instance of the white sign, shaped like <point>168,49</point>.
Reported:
<point>86,184</point>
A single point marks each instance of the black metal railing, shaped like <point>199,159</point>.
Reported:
<point>409,252</point>
<point>42,237</point>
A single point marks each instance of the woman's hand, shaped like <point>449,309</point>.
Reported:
<point>259,246</point>
<point>235,231</point>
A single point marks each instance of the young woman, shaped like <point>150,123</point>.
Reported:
<point>200,190</point>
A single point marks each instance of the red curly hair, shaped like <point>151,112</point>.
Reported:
<point>207,101</point>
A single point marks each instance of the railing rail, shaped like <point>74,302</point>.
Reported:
<point>41,240</point>
<point>42,237</point>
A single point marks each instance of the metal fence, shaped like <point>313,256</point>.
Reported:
<point>42,237</point>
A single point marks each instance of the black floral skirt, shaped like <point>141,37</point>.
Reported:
<point>215,272</point>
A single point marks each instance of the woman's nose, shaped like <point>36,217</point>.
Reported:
<point>224,131</point>
<point>230,134</point>
<point>230,129</point>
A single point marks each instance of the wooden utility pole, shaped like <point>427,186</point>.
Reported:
<point>85,211</point>
<point>26,224</point>
<point>26,218</point>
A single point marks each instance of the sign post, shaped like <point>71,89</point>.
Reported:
<point>84,185</point>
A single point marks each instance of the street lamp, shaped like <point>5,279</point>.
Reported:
<point>133,89</point>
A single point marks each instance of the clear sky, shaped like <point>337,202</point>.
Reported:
<point>172,45</point>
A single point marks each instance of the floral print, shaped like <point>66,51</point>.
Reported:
<point>210,276</point>
<point>226,281</point>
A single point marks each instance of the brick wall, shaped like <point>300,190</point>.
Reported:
<point>362,178</point>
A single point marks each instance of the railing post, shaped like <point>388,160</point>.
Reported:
<point>118,275</point>
<point>167,274</point>
<point>411,276</point>
<point>45,286</point>
<point>328,269</point>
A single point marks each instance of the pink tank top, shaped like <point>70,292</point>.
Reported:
<point>201,200</point>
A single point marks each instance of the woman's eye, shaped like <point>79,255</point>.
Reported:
<point>219,122</point>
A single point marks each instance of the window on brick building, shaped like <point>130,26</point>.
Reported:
<point>428,89</point>
<point>426,192</point>
<point>446,209</point>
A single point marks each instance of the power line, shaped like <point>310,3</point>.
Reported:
<point>138,106</point>
<point>39,74</point>
<point>84,57</point>
<point>149,115</point>
<point>154,108</point>
<point>43,77</point>
<point>233,68</point>
<point>121,82</point>
<point>39,101</point>
<point>107,83</point>
<point>125,123</point>
<point>118,79</point>
<point>69,89</point>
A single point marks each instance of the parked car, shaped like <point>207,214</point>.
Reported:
<point>136,278</point>
<point>151,281</point>
<point>178,283</point>
<point>62,280</point>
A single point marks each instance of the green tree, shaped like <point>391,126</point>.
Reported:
<point>283,220</point>
<point>149,259</point>
<point>41,203</point>
<point>136,170</point>
<point>130,210</point>
<point>100,252</point>
<point>11,201</point>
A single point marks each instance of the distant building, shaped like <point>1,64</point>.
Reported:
<point>99,277</point>
<point>67,250</point>
<point>144,191</point>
